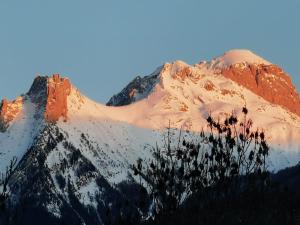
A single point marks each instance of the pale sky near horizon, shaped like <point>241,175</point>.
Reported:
<point>102,45</point>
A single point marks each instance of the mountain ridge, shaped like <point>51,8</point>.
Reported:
<point>174,91</point>
<point>74,154</point>
<point>243,67</point>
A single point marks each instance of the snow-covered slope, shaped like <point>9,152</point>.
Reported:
<point>185,95</point>
<point>20,135</point>
<point>237,56</point>
<point>184,105</point>
<point>75,153</point>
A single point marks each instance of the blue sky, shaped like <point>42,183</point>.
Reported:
<point>102,45</point>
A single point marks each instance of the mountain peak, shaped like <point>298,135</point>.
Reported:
<point>239,65</point>
<point>237,56</point>
<point>266,80</point>
<point>48,94</point>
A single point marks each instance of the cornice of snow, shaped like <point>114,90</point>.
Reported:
<point>237,56</point>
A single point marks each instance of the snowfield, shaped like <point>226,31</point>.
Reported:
<point>237,56</point>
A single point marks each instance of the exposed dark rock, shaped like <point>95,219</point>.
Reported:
<point>137,89</point>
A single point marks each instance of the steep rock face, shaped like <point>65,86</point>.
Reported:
<point>50,94</point>
<point>8,111</point>
<point>58,90</point>
<point>137,89</point>
<point>38,91</point>
<point>268,81</point>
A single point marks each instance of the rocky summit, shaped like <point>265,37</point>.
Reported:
<point>49,93</point>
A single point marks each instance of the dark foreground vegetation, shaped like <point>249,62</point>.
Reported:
<point>278,204</point>
<point>220,179</point>
<point>277,207</point>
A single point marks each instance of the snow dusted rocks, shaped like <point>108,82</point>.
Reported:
<point>137,89</point>
<point>8,111</point>
<point>185,94</point>
<point>241,66</point>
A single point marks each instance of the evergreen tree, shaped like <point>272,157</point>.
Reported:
<point>226,161</point>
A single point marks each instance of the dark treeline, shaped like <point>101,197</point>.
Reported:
<point>278,204</point>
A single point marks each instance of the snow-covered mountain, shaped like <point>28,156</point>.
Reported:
<point>75,154</point>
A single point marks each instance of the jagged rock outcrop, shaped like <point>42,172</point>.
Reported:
<point>8,111</point>
<point>58,90</point>
<point>50,94</point>
<point>38,91</point>
<point>137,89</point>
<point>268,81</point>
